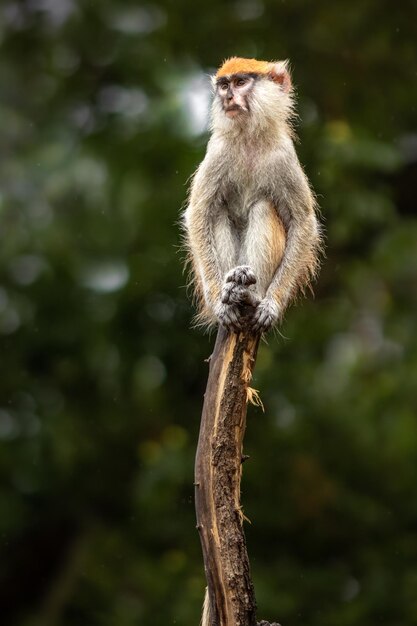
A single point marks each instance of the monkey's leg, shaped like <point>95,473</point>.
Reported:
<point>263,249</point>
<point>263,244</point>
<point>227,309</point>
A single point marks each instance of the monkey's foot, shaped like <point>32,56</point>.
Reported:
<point>241,275</point>
<point>265,316</point>
<point>229,316</point>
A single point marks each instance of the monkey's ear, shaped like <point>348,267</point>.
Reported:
<point>281,76</point>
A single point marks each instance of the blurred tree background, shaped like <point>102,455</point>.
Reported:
<point>103,119</point>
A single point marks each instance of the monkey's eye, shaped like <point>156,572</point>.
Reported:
<point>240,82</point>
<point>223,86</point>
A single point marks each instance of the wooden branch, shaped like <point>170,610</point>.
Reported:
<point>218,469</point>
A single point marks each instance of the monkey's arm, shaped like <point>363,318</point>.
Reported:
<point>296,207</point>
<point>200,242</point>
<point>210,248</point>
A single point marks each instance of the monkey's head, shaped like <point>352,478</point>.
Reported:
<point>251,93</point>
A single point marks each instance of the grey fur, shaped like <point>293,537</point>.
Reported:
<point>249,183</point>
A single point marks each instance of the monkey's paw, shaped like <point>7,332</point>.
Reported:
<point>241,275</point>
<point>265,316</point>
<point>229,316</point>
<point>239,295</point>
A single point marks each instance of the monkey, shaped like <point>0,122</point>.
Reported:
<point>251,230</point>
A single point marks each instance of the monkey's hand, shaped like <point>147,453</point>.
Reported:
<point>236,287</point>
<point>239,295</point>
<point>229,316</point>
<point>241,275</point>
<point>265,316</point>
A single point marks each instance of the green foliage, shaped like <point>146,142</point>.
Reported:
<point>102,123</point>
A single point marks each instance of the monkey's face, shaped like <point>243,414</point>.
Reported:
<point>251,100</point>
<point>234,93</point>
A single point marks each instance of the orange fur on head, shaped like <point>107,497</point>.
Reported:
<point>237,65</point>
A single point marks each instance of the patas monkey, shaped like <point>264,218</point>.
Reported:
<point>251,229</point>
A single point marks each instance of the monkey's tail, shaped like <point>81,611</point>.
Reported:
<point>206,615</point>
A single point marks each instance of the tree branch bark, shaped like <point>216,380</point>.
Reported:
<point>218,470</point>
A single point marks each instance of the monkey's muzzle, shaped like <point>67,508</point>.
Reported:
<point>233,110</point>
